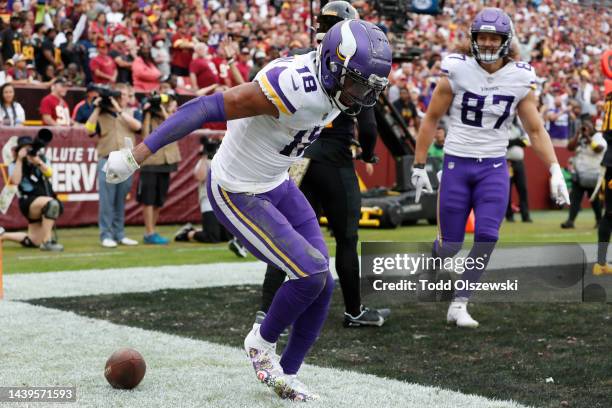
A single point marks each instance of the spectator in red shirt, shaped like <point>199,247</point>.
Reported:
<point>202,70</point>
<point>181,51</point>
<point>242,66</point>
<point>145,74</point>
<point>53,107</point>
<point>103,67</point>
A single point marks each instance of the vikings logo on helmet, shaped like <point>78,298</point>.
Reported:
<point>495,21</point>
<point>354,61</point>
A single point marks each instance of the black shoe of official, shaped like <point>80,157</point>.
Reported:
<point>182,235</point>
<point>367,317</point>
<point>567,224</point>
<point>237,248</point>
<point>510,219</point>
<point>528,220</point>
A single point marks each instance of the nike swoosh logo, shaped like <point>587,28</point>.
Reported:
<point>496,165</point>
<point>295,87</point>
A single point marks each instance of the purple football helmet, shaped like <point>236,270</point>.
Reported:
<point>491,20</point>
<point>354,61</point>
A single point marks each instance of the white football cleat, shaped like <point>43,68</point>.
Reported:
<point>290,388</point>
<point>262,355</point>
<point>458,314</point>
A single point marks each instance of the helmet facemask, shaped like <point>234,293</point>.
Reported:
<point>351,91</point>
<point>489,56</point>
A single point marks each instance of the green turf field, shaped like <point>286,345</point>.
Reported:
<point>511,356</point>
<point>83,251</point>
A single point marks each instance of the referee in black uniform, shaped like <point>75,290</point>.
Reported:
<point>605,226</point>
<point>330,184</point>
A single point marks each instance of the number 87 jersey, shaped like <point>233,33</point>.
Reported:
<point>484,105</point>
<point>257,152</point>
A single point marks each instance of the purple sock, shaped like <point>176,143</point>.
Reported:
<point>306,329</point>
<point>290,301</point>
<point>482,251</point>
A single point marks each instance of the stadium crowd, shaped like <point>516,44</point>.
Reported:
<point>199,47</point>
<point>149,43</point>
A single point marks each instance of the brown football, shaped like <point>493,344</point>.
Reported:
<point>125,368</point>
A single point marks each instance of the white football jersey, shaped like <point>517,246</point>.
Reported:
<point>257,151</point>
<point>484,105</point>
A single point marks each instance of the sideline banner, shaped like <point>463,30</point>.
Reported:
<point>74,160</point>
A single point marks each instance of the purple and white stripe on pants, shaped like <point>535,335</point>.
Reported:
<point>279,227</point>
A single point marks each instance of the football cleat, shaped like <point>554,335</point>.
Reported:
<point>367,317</point>
<point>599,270</point>
<point>237,248</point>
<point>458,314</point>
<point>262,355</point>
<point>290,388</point>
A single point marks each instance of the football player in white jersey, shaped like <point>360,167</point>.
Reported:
<point>270,123</point>
<point>482,91</point>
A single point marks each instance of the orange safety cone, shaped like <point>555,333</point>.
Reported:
<point>471,221</point>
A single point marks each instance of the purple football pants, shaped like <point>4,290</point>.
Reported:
<point>280,228</point>
<point>469,183</point>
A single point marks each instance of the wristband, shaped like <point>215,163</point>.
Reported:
<point>91,127</point>
<point>418,165</point>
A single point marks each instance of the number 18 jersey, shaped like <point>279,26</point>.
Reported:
<point>257,151</point>
<point>484,105</point>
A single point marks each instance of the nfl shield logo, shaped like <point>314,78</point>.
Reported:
<point>451,165</point>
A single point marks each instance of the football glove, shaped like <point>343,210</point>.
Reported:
<point>420,181</point>
<point>558,188</point>
<point>120,166</point>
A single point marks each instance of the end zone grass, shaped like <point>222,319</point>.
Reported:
<point>511,355</point>
<point>83,250</point>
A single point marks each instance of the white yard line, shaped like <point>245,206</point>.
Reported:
<point>146,279</point>
<point>142,279</point>
<point>47,347</point>
<point>125,280</point>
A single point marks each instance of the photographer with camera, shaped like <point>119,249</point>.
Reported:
<point>590,148</point>
<point>30,172</point>
<point>212,231</point>
<point>155,171</point>
<point>114,126</point>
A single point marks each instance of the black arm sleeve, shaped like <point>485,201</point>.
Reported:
<point>366,122</point>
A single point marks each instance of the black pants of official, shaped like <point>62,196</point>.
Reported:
<point>576,196</point>
<point>212,230</point>
<point>335,192</point>
<point>520,181</point>
<point>605,226</point>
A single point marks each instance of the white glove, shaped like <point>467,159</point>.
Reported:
<point>420,180</point>
<point>120,166</point>
<point>558,188</point>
